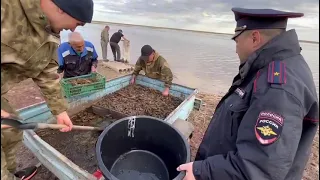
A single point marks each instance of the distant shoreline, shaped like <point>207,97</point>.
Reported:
<point>177,29</point>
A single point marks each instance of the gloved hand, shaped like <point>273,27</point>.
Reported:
<point>98,175</point>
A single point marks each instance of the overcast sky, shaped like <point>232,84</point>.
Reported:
<point>204,15</point>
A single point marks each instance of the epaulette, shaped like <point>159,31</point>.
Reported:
<point>277,72</point>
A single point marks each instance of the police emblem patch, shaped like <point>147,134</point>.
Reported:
<point>240,92</point>
<point>268,127</point>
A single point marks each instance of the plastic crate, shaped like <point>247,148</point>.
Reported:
<point>70,90</point>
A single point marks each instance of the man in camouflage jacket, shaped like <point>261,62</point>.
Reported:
<point>154,66</point>
<point>29,40</point>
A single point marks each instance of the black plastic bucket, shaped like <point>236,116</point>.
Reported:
<point>141,148</point>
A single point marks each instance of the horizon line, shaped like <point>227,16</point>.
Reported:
<point>181,29</point>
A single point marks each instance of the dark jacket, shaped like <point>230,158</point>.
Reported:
<point>116,37</point>
<point>73,64</point>
<point>264,126</point>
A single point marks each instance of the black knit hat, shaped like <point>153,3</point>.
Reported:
<point>81,10</point>
<point>146,51</point>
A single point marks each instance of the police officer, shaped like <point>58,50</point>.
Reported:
<point>76,57</point>
<point>263,127</point>
<point>29,40</point>
<point>154,66</point>
<point>114,44</point>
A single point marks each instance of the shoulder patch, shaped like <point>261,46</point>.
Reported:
<point>240,92</point>
<point>89,49</point>
<point>277,72</point>
<point>268,127</point>
<point>66,53</point>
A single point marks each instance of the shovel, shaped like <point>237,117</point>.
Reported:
<point>19,125</point>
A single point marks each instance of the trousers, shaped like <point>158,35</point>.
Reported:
<point>104,48</point>
<point>10,139</point>
<point>115,50</point>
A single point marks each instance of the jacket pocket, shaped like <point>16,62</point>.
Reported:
<point>70,64</point>
<point>237,111</point>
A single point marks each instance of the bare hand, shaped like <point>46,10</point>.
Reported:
<point>5,115</point>
<point>93,69</point>
<point>133,80</point>
<point>63,118</point>
<point>165,92</point>
<point>60,76</point>
<point>189,171</point>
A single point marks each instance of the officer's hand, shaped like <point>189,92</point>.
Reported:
<point>165,92</point>
<point>93,69</point>
<point>63,118</point>
<point>189,172</point>
<point>133,80</point>
<point>5,115</point>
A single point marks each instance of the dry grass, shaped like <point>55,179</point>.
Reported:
<point>200,119</point>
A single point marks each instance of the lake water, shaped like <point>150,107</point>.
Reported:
<point>200,60</point>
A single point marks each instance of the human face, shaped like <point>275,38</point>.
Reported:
<point>245,45</point>
<point>60,20</point>
<point>151,57</point>
<point>78,46</point>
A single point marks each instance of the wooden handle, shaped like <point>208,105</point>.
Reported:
<point>74,127</point>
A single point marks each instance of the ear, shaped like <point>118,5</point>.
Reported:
<point>256,38</point>
<point>60,11</point>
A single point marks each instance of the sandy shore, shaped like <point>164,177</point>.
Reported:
<point>27,93</point>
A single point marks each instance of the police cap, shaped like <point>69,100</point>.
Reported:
<point>250,19</point>
<point>81,10</point>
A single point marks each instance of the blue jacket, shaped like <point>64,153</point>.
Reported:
<point>73,64</point>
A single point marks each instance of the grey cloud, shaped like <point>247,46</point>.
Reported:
<point>186,13</point>
<point>214,6</point>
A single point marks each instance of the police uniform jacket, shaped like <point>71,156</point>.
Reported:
<point>264,126</point>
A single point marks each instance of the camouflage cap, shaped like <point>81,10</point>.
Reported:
<point>80,10</point>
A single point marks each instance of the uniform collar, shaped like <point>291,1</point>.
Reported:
<point>281,47</point>
<point>155,58</point>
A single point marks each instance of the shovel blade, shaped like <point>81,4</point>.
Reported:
<point>17,124</point>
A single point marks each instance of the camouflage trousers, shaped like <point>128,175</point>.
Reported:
<point>10,138</point>
<point>104,48</point>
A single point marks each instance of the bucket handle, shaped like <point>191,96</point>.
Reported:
<point>131,126</point>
